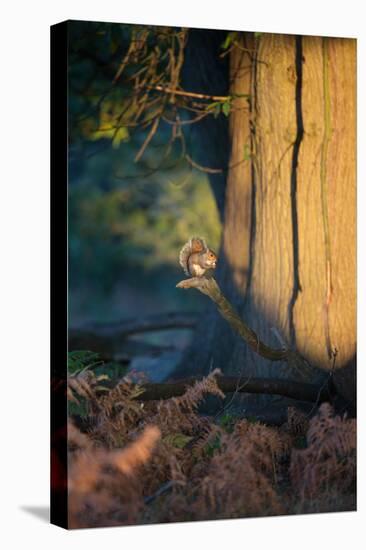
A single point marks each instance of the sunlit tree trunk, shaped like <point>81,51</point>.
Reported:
<point>288,250</point>
<point>325,311</point>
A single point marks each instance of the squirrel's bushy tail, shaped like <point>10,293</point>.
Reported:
<point>195,244</point>
<point>184,255</point>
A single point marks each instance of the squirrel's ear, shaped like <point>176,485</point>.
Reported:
<point>197,244</point>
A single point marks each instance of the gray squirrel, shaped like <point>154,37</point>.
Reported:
<point>196,258</point>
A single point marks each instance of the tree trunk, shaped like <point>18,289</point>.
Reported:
<point>288,256</point>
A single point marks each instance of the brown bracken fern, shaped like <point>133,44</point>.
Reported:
<point>328,464</point>
<point>160,461</point>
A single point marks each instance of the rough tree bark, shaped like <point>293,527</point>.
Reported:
<point>288,255</point>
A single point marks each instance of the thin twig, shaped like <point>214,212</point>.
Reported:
<point>187,122</point>
<point>239,388</point>
<point>163,489</point>
<point>202,168</point>
<point>168,90</point>
<point>149,137</point>
<point>279,337</point>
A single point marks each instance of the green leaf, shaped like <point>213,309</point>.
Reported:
<point>80,360</point>
<point>230,37</point>
<point>257,34</point>
<point>226,108</point>
<point>227,421</point>
<point>213,446</point>
<point>178,440</point>
<point>217,110</point>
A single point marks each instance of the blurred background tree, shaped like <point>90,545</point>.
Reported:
<point>128,216</point>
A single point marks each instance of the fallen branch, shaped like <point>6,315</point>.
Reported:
<point>123,329</point>
<point>229,384</point>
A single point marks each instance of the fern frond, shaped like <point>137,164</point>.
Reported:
<point>329,461</point>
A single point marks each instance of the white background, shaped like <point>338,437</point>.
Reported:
<point>24,302</point>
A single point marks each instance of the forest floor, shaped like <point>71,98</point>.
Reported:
<point>136,462</point>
